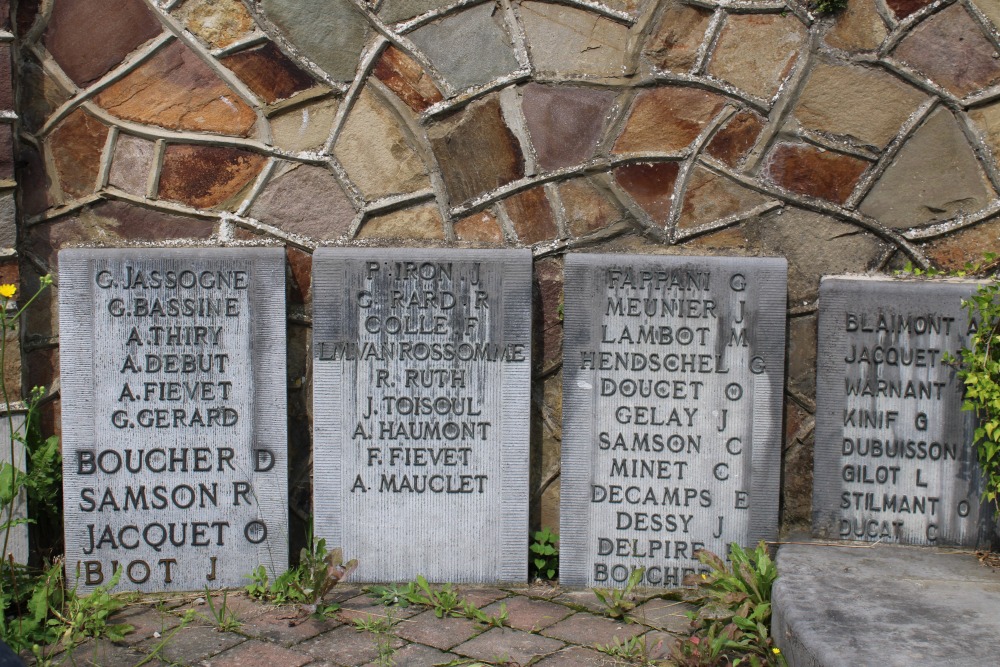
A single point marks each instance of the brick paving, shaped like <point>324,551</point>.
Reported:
<point>545,627</point>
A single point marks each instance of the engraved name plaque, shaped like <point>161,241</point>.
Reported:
<point>894,460</point>
<point>173,413</point>
<point>673,372</point>
<point>421,402</point>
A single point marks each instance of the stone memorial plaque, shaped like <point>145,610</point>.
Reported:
<point>173,413</point>
<point>422,371</point>
<point>894,460</point>
<point>673,373</point>
<point>17,538</point>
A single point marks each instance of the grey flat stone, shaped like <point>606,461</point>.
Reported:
<point>886,606</point>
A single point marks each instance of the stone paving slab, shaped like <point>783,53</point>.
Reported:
<point>545,628</point>
<point>889,606</point>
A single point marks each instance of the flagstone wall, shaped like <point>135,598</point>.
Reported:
<point>852,143</point>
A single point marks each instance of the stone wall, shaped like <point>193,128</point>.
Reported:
<point>852,143</point>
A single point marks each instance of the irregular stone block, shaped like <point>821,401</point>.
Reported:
<point>475,150</point>
<point>77,144</point>
<point>990,9</point>
<point>531,214</point>
<point>954,251</point>
<point>667,119</point>
<point>856,102</point>
<point>6,87</point>
<point>218,23</point>
<point>732,143</point>
<point>951,49</point>
<point>131,164</point>
<point>673,369</point>
<point>406,78</point>
<point>268,72</point>
<point>6,151</point>
<point>305,127</point>
<point>176,90</point>
<point>8,222</point>
<point>40,94</point>
<point>674,45</point>
<point>587,208</point>
<point>651,185</point>
<point>173,394</point>
<point>548,329</point>
<point>935,177</point>
<point>88,40</point>
<point>399,10</point>
<point>482,226</point>
<point>815,245</point>
<point>709,197</point>
<point>813,171</point>
<point>756,52</point>
<point>419,222</point>
<point>894,460</point>
<point>109,223</point>
<point>290,202</point>
<point>858,28</point>
<point>431,450</point>
<point>375,153</point>
<point>469,48</point>
<point>331,33</point>
<point>207,176</point>
<point>574,41</point>
<point>903,8</point>
<point>563,139</point>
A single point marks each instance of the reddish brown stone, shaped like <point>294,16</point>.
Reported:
<point>476,150</point>
<point>730,238</point>
<point>5,14</point>
<point>709,197</point>
<point>482,226</point>
<point>953,251</point>
<point>736,138</point>
<point>25,14</point>
<point>587,208</point>
<point>299,272</point>
<point>88,39</point>
<point>651,186</point>
<point>10,272</point>
<point>6,152</point>
<point>404,76</point>
<point>268,72</point>
<point>531,214</point>
<point>111,223</point>
<point>903,8</point>
<point>952,51</point>
<point>548,316</point>
<point>812,171</point>
<point>290,201</point>
<point>176,90</point>
<point>667,119</point>
<point>6,89</point>
<point>562,138</point>
<point>76,145</point>
<point>206,176</point>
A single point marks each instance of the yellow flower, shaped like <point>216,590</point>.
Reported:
<point>776,650</point>
<point>7,291</point>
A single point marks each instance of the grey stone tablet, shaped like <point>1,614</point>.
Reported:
<point>173,414</point>
<point>673,372</point>
<point>894,460</point>
<point>421,396</point>
<point>17,513</point>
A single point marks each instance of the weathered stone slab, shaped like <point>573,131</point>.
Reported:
<point>174,418</point>
<point>17,537</point>
<point>673,371</point>
<point>894,460</point>
<point>421,401</point>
